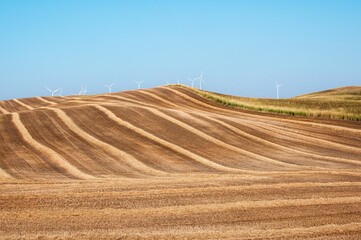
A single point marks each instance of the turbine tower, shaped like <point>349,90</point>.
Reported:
<point>52,92</point>
<point>138,83</point>
<point>277,88</point>
<point>81,90</point>
<point>110,87</point>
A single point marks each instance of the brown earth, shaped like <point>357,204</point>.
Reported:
<point>166,163</point>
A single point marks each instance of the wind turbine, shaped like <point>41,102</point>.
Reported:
<point>110,87</point>
<point>52,92</point>
<point>200,78</point>
<point>178,80</point>
<point>81,90</point>
<point>85,90</point>
<point>61,92</point>
<point>277,87</point>
<point>192,80</point>
<point>139,82</point>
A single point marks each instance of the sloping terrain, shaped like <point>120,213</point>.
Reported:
<point>338,103</point>
<point>342,93</point>
<point>168,163</point>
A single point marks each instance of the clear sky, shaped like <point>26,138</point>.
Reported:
<point>242,46</point>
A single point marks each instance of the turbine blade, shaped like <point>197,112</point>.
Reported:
<point>81,91</point>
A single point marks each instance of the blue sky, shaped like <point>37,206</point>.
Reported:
<point>242,46</point>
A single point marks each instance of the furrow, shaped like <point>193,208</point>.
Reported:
<point>267,142</point>
<point>46,101</point>
<point>213,208</point>
<point>309,139</point>
<point>53,156</point>
<point>169,145</point>
<point>23,104</point>
<point>304,232</point>
<point>327,231</point>
<point>220,207</point>
<point>3,110</point>
<point>12,108</point>
<point>220,143</point>
<point>4,174</point>
<point>132,101</point>
<point>160,99</point>
<point>253,137</point>
<point>115,152</point>
<point>200,103</point>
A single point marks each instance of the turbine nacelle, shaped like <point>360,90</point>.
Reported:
<point>138,83</point>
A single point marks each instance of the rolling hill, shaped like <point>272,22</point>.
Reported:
<point>351,93</point>
<point>338,103</point>
<point>167,162</point>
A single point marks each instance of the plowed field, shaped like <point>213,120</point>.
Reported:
<point>166,163</point>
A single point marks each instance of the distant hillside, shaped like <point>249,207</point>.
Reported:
<point>351,93</point>
<point>340,103</point>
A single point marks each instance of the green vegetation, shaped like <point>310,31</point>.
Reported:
<point>340,103</point>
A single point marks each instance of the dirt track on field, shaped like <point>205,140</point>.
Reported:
<point>166,163</point>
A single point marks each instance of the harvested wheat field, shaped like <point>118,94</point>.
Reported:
<point>166,163</point>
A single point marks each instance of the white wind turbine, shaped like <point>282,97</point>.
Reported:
<point>81,91</point>
<point>110,87</point>
<point>138,83</point>
<point>192,80</point>
<point>85,90</point>
<point>52,92</point>
<point>200,78</point>
<point>61,92</point>
<point>178,80</point>
<point>277,88</point>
